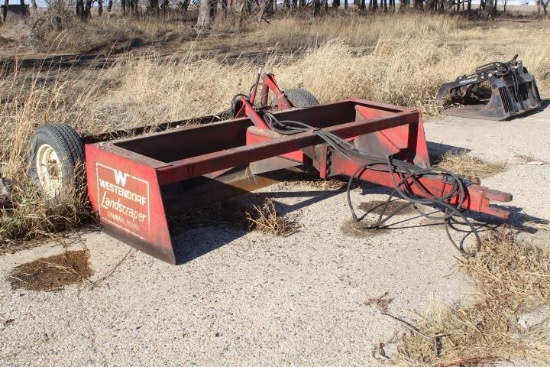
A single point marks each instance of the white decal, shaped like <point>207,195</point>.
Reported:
<point>123,200</point>
<point>120,177</point>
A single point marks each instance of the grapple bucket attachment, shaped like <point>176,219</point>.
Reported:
<point>136,184</point>
<point>496,91</point>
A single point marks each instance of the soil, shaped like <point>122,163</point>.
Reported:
<point>356,229</point>
<point>52,273</point>
<point>379,207</point>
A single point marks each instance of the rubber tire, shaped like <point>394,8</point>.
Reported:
<point>68,146</point>
<point>300,97</point>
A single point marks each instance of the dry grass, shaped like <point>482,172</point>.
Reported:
<point>154,90</point>
<point>113,33</point>
<point>24,101</point>
<point>466,165</point>
<point>309,178</point>
<point>360,32</point>
<point>32,217</point>
<point>394,72</point>
<point>337,183</point>
<point>512,278</point>
<point>265,218</point>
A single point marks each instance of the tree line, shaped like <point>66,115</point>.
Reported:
<point>208,9</point>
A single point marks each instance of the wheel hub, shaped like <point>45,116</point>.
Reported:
<point>48,168</point>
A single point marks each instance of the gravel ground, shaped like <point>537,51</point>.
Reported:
<point>252,299</point>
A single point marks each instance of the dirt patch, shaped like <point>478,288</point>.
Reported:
<point>466,165</point>
<point>356,229</point>
<point>52,273</point>
<point>525,159</point>
<point>379,207</point>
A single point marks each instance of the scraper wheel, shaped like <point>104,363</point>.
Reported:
<point>56,156</point>
<point>300,97</point>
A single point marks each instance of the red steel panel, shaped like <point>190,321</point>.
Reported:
<point>406,142</point>
<point>126,195</point>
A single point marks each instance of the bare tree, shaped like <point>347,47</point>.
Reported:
<point>133,7</point>
<point>490,8</point>
<point>373,5</point>
<point>5,10</point>
<point>266,6</point>
<point>544,4</point>
<point>154,6</point>
<point>88,8</point>
<point>23,8</point>
<point>132,4</point>
<point>80,12</point>
<point>207,12</point>
<point>83,9</point>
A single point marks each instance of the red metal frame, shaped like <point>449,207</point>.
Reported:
<point>134,183</point>
<point>269,84</point>
<point>246,106</point>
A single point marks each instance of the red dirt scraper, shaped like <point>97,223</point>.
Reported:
<point>136,183</point>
